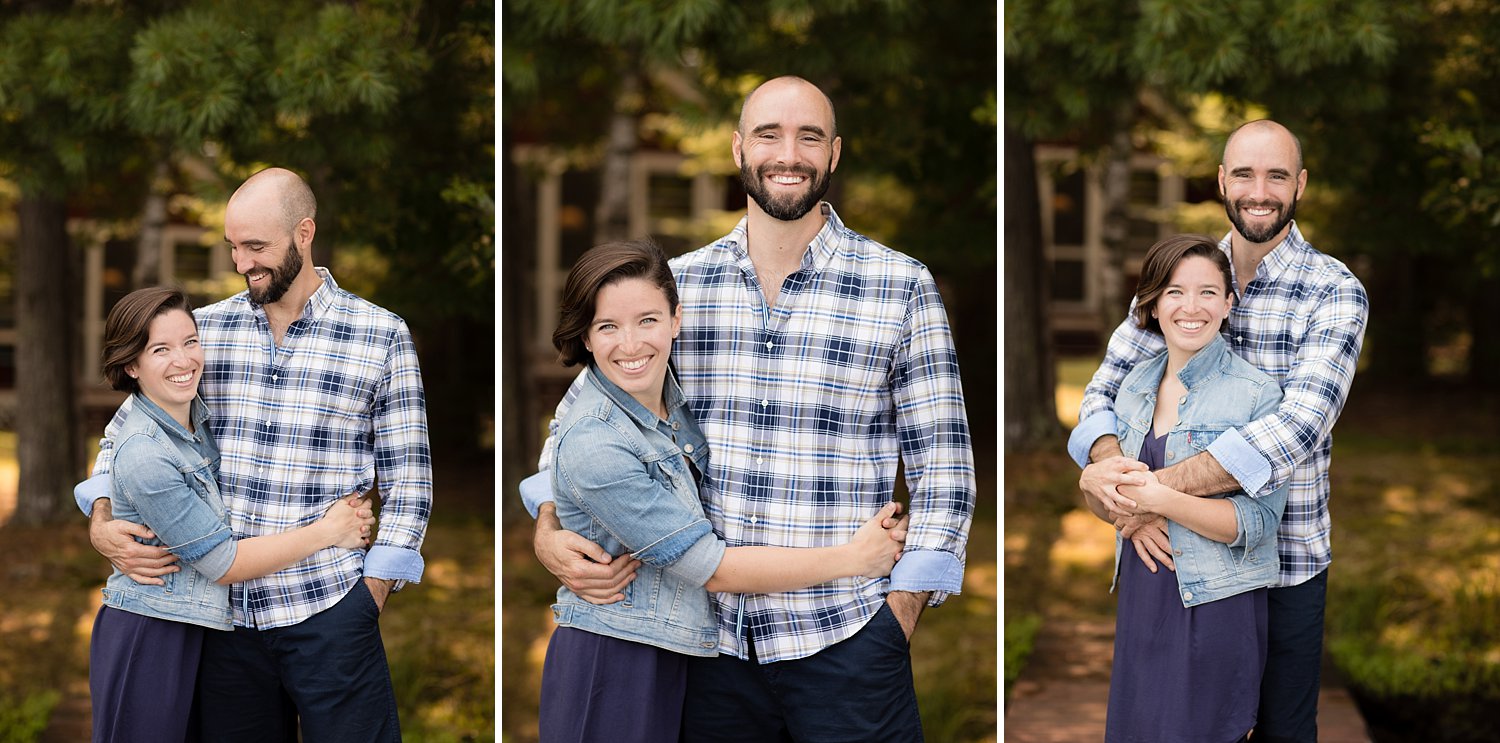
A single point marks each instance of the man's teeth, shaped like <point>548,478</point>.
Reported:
<point>1258,212</point>
<point>787,179</point>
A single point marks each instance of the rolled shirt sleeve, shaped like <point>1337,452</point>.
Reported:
<point>936,449</point>
<point>403,464</point>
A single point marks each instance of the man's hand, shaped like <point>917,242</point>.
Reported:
<point>907,606</point>
<point>584,567</point>
<point>380,590</point>
<point>116,541</point>
<point>1102,480</point>
<point>1148,534</point>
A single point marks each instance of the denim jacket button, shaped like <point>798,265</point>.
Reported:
<point>1177,552</point>
<point>688,448</point>
<point>1187,595</point>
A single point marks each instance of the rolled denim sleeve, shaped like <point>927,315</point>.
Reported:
<point>604,478</point>
<point>156,490</point>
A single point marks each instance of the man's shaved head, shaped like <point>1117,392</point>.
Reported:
<point>290,191</point>
<point>784,81</point>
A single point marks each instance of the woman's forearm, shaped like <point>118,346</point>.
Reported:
<point>1213,518</point>
<point>259,556</point>
<point>773,569</point>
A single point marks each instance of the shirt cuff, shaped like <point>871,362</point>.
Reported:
<point>928,570</point>
<point>1102,423</point>
<point>90,490</point>
<point>394,563</point>
<point>1242,461</point>
<point>536,490</point>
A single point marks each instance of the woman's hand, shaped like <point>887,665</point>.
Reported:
<point>873,549</point>
<point>1150,497</point>
<point>348,523</point>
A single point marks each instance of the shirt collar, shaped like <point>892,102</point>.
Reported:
<point>197,412</point>
<point>1281,257</point>
<point>671,395</point>
<point>1202,366</point>
<point>317,304</point>
<point>820,251</point>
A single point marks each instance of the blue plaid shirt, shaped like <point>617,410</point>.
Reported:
<point>304,423</point>
<point>808,406</point>
<point>1301,319</point>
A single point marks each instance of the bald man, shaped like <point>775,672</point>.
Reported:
<point>815,359</point>
<point>1300,317</point>
<point>314,394</point>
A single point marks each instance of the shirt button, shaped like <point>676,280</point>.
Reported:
<point>760,460</point>
<point>688,448</point>
<point>764,403</point>
<point>754,520</point>
<point>1239,339</point>
<point>275,377</point>
<point>769,345</point>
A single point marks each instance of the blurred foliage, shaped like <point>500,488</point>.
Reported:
<point>1020,640</point>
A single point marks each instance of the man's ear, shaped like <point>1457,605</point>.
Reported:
<point>306,229</point>
<point>736,145</point>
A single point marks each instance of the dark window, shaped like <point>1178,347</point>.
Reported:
<point>1068,208</point>
<point>1067,280</point>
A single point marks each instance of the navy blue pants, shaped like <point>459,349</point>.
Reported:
<point>142,671</point>
<point>329,672</point>
<point>1289,688</point>
<point>856,690</point>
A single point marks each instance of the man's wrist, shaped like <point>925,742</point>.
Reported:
<point>1105,447</point>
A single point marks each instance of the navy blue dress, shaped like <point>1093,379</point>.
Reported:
<point>1182,674</point>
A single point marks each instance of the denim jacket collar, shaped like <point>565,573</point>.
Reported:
<point>198,412</point>
<point>1202,367</point>
<point>671,395</point>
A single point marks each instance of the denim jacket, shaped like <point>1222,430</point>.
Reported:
<point>622,480</point>
<point>1223,391</point>
<point>167,479</point>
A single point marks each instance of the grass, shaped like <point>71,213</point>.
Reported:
<point>439,635</point>
<point>1413,616</point>
<point>953,651</point>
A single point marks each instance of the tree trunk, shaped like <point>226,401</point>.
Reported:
<point>147,270</point>
<point>325,186</point>
<point>612,218</point>
<point>1030,387</point>
<point>1116,228</point>
<point>46,432</point>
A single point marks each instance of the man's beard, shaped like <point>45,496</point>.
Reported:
<point>281,278</point>
<point>1284,216</point>
<point>788,208</point>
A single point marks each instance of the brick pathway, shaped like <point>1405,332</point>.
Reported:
<point>1062,694</point>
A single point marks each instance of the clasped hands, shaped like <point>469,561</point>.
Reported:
<point>1130,493</point>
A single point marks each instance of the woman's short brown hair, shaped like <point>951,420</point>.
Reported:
<point>599,267</point>
<point>1156,271</point>
<point>129,328</point>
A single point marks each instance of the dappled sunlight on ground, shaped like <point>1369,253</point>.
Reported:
<point>1086,542</point>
